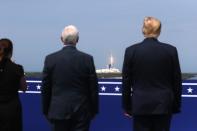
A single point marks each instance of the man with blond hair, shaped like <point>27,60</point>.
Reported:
<point>151,81</point>
<point>69,86</point>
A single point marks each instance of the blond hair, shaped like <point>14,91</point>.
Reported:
<point>151,27</point>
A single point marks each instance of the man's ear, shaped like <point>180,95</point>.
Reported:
<point>61,39</point>
<point>77,39</point>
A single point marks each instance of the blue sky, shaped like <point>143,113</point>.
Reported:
<point>106,26</point>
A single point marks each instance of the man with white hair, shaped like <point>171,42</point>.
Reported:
<point>151,81</point>
<point>69,86</point>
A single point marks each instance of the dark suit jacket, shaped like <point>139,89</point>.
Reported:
<point>69,84</point>
<point>151,79</point>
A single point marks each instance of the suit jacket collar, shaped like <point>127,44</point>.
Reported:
<point>69,47</point>
<point>150,39</point>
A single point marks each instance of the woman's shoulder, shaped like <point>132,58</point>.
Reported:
<point>14,65</point>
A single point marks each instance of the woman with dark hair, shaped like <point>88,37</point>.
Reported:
<point>11,81</point>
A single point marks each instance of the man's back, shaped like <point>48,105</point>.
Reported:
<point>151,81</point>
<point>70,73</point>
<point>153,63</point>
<point>153,67</point>
<point>69,86</point>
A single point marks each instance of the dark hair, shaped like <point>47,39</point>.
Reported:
<point>8,47</point>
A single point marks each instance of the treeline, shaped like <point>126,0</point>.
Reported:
<point>105,75</point>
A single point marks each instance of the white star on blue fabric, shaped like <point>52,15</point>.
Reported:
<point>117,89</point>
<point>190,90</point>
<point>38,87</point>
<point>103,89</point>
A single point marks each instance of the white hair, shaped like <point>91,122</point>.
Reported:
<point>70,35</point>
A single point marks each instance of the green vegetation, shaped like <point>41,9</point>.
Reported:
<point>107,75</point>
<point>33,74</point>
<point>186,76</point>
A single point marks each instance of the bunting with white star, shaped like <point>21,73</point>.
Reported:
<point>113,87</point>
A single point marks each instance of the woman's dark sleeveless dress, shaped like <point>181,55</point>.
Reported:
<point>10,105</point>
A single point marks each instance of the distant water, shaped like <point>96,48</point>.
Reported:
<point>193,78</point>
